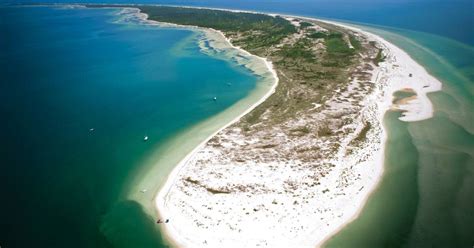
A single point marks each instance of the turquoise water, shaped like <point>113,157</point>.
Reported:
<point>66,71</point>
<point>64,183</point>
<point>429,16</point>
<point>426,197</point>
<point>389,213</point>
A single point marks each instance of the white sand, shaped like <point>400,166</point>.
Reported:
<point>393,75</point>
<point>397,69</point>
<point>302,225</point>
<point>218,42</point>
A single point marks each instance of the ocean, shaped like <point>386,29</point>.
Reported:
<point>440,17</point>
<point>426,196</point>
<point>80,88</point>
<point>75,69</point>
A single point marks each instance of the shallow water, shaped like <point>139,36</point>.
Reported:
<point>66,183</point>
<point>448,18</point>
<point>385,210</point>
<point>65,71</point>
<point>426,196</point>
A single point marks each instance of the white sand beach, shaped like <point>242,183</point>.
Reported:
<point>271,218</point>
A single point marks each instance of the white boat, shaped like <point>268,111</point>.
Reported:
<point>145,138</point>
<point>215,99</point>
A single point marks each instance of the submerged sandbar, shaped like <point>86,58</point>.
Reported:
<point>299,165</point>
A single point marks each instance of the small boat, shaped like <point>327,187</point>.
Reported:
<point>215,99</point>
<point>143,190</point>
<point>91,129</point>
<point>145,138</point>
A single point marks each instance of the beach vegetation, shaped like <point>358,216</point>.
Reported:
<point>363,133</point>
<point>337,46</point>
<point>317,35</point>
<point>299,50</point>
<point>210,190</point>
<point>262,30</point>
<point>379,58</point>
<point>305,24</point>
<point>267,146</point>
<point>324,130</point>
<point>309,66</point>
<point>300,131</point>
<point>355,42</point>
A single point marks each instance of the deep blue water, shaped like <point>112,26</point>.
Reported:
<point>65,71</point>
<point>449,18</point>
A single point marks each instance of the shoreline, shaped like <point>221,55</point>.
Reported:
<point>170,234</point>
<point>385,105</point>
<point>420,113</point>
<point>215,36</point>
<point>172,176</point>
